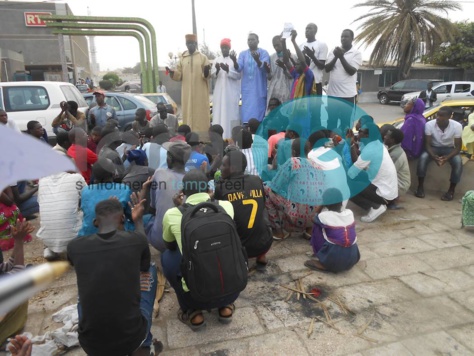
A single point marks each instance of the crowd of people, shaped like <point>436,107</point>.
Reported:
<point>210,197</point>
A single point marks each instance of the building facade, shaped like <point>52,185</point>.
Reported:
<point>23,32</point>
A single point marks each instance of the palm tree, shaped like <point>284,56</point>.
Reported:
<point>397,28</point>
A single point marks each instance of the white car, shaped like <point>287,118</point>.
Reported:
<point>447,90</point>
<point>39,101</point>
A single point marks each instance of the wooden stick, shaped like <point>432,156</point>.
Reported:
<point>362,329</point>
<point>290,294</point>
<point>302,287</point>
<point>311,326</point>
<point>325,322</point>
<point>296,290</point>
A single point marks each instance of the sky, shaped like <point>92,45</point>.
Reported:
<point>221,19</point>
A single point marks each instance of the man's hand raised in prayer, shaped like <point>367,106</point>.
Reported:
<point>233,56</point>
<point>280,63</point>
<point>267,67</point>
<point>256,57</point>
<point>206,70</point>
<point>225,67</point>
<point>338,52</point>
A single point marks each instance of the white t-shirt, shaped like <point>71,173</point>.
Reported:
<point>321,53</point>
<point>60,216</point>
<point>444,138</point>
<point>341,84</point>
<point>383,175</point>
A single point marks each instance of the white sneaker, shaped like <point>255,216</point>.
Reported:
<point>49,255</point>
<point>374,214</point>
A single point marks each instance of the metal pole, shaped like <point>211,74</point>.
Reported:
<point>136,20</point>
<point>148,82</point>
<point>109,33</point>
<point>62,59</point>
<point>194,18</point>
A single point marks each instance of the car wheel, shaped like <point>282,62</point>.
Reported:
<point>127,89</point>
<point>384,99</point>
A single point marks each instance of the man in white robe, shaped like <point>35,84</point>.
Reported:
<point>226,96</point>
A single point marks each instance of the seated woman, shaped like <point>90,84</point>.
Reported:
<point>293,195</point>
<point>334,236</point>
<point>413,128</point>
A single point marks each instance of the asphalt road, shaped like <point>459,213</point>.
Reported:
<point>383,113</point>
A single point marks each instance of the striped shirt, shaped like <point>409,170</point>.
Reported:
<point>60,216</point>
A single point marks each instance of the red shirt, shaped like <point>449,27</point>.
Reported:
<point>84,159</point>
<point>92,145</point>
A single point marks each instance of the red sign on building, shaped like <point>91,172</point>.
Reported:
<point>32,19</point>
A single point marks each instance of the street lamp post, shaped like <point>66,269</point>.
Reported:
<point>194,18</point>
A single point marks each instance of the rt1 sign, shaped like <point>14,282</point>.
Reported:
<point>32,19</point>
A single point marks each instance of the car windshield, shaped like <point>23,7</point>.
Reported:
<point>145,101</point>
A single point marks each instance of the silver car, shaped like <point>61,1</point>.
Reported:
<point>447,90</point>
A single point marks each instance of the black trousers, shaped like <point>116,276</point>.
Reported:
<point>368,198</point>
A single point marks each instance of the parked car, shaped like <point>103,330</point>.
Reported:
<point>125,105</point>
<point>461,110</point>
<point>165,99</point>
<point>39,101</point>
<point>130,87</point>
<point>447,90</point>
<point>396,91</point>
<point>83,88</point>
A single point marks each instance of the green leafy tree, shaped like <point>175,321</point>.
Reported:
<point>106,84</point>
<point>460,52</point>
<point>113,78</point>
<point>396,28</point>
<point>137,68</point>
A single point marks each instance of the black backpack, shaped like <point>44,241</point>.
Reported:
<point>214,263</point>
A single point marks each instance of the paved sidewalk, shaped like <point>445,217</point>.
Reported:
<point>412,293</point>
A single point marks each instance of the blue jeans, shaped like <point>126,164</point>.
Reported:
<point>171,261</point>
<point>455,162</point>
<point>30,206</point>
<point>148,283</point>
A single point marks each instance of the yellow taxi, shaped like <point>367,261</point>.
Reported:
<point>461,110</point>
<point>164,98</point>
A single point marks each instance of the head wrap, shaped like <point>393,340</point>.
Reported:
<point>226,42</point>
<point>191,37</point>
<point>137,156</point>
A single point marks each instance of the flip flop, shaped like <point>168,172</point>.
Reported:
<point>186,318</point>
<point>226,319</point>
<point>420,193</point>
<point>311,264</point>
<point>276,238</point>
<point>447,196</point>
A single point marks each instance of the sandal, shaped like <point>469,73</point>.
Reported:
<point>186,318</point>
<point>420,193</point>
<point>315,265</point>
<point>285,236</point>
<point>448,196</point>
<point>226,319</point>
